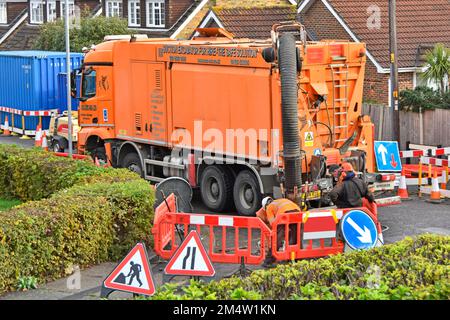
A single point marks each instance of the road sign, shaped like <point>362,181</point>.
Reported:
<point>359,230</point>
<point>387,156</point>
<point>190,259</point>
<point>133,273</point>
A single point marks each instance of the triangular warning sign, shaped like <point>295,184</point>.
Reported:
<point>190,259</point>
<point>133,274</point>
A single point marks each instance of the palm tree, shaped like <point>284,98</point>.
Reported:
<point>437,65</point>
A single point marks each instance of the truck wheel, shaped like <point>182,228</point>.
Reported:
<point>216,188</point>
<point>56,147</point>
<point>133,163</point>
<point>247,193</point>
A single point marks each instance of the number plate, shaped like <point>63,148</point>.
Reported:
<point>313,195</point>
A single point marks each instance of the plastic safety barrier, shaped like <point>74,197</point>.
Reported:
<point>229,239</point>
<point>311,234</point>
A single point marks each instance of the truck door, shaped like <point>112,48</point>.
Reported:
<point>96,103</point>
<point>149,102</point>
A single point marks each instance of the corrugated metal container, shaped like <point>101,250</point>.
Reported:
<point>62,92</point>
<point>30,81</point>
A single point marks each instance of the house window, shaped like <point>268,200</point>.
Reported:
<point>3,12</point>
<point>114,8</point>
<point>71,8</point>
<point>37,11</point>
<point>156,13</point>
<point>134,13</point>
<point>51,11</point>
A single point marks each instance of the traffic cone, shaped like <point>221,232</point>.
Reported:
<point>444,180</point>
<point>38,137</point>
<point>403,188</point>
<point>6,131</point>
<point>435,195</point>
<point>44,141</point>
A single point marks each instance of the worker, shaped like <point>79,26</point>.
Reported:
<point>350,190</point>
<point>270,210</point>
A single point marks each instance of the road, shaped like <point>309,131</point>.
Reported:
<point>411,218</point>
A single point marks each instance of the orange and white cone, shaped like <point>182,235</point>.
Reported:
<point>435,195</point>
<point>403,188</point>
<point>44,141</point>
<point>444,180</point>
<point>38,137</point>
<point>6,131</point>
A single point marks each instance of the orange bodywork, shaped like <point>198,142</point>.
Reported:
<point>165,92</point>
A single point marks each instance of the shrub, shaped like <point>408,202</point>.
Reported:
<point>84,225</point>
<point>422,99</point>
<point>32,174</point>
<point>81,215</point>
<point>90,31</point>
<point>411,269</point>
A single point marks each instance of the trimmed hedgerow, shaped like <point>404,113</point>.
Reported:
<point>85,215</point>
<point>32,174</point>
<point>410,269</point>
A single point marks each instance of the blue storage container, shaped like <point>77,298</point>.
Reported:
<point>30,81</point>
<point>62,92</point>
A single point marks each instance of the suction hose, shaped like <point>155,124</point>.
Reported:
<point>289,109</point>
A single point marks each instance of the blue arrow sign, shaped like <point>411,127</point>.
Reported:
<point>359,230</point>
<point>387,156</point>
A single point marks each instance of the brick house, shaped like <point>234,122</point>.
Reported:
<point>25,18</point>
<point>11,13</point>
<point>156,18</point>
<point>248,22</point>
<point>420,24</point>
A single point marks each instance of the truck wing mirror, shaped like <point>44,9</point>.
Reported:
<point>73,83</point>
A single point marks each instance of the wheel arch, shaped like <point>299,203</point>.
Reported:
<point>128,147</point>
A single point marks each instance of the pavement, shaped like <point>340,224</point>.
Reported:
<point>411,218</point>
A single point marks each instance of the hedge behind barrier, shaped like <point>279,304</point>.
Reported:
<point>410,269</point>
<point>32,174</point>
<point>99,218</point>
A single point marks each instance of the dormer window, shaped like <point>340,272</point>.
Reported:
<point>156,13</point>
<point>37,11</point>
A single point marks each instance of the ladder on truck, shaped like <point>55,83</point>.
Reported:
<point>339,79</point>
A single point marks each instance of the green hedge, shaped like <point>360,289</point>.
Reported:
<point>102,214</point>
<point>32,174</point>
<point>410,269</point>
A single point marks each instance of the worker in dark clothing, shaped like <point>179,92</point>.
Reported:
<point>135,270</point>
<point>350,190</point>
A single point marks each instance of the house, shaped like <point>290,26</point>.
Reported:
<point>248,22</point>
<point>24,18</point>
<point>156,18</point>
<point>11,13</point>
<point>420,24</point>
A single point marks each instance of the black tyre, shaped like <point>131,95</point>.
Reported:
<point>247,193</point>
<point>56,146</point>
<point>216,188</point>
<point>133,163</point>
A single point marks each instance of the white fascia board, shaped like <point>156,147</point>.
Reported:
<point>189,19</point>
<point>211,16</point>
<point>13,28</point>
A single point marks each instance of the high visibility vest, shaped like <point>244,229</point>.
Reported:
<point>280,206</point>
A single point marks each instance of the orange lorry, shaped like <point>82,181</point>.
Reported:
<point>237,118</point>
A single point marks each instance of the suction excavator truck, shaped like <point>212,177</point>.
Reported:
<point>238,118</point>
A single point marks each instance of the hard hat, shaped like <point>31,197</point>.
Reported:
<point>347,166</point>
<point>266,201</point>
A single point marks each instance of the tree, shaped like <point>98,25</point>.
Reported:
<point>89,31</point>
<point>437,65</point>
